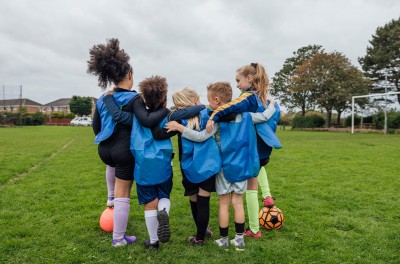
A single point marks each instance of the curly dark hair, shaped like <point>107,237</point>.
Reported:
<point>154,92</point>
<point>109,63</point>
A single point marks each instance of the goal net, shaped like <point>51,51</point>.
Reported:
<point>11,98</point>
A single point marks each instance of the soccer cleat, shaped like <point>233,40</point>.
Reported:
<point>149,245</point>
<point>223,243</point>
<point>250,233</point>
<point>110,202</point>
<point>163,231</point>
<point>209,233</point>
<point>127,240</point>
<point>195,242</point>
<point>269,202</point>
<point>238,242</point>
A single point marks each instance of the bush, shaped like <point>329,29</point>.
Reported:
<point>309,121</point>
<point>17,119</point>
<point>393,119</point>
<point>38,119</point>
<point>357,120</point>
<point>379,120</point>
<point>70,115</point>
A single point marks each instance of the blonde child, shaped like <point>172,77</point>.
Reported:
<point>198,170</point>
<point>253,81</point>
<point>231,180</point>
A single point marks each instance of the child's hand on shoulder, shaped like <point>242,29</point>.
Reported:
<point>174,126</point>
<point>271,101</point>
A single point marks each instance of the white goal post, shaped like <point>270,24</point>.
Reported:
<point>368,95</point>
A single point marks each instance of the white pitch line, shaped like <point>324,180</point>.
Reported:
<point>35,166</point>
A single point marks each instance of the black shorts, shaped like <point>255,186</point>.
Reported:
<point>115,152</point>
<point>193,188</point>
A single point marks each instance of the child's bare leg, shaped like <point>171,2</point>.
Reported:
<point>237,203</point>
<point>224,201</point>
<point>223,214</point>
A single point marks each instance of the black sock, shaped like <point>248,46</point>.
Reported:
<point>223,231</point>
<point>239,228</point>
<point>193,206</point>
<point>203,215</point>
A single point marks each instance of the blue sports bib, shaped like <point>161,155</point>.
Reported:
<point>152,157</point>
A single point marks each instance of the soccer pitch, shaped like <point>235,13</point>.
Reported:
<point>339,194</point>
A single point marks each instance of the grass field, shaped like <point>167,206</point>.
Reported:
<point>339,194</point>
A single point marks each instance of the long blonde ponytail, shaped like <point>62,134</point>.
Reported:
<point>260,79</point>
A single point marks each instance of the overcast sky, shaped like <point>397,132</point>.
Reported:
<point>45,43</point>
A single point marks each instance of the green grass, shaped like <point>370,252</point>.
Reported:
<point>339,194</point>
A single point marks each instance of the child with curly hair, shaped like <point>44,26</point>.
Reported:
<point>152,150</point>
<point>111,65</point>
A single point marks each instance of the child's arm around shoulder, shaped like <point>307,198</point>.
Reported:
<point>190,134</point>
<point>188,112</point>
<point>117,114</point>
<point>264,116</point>
<point>246,102</point>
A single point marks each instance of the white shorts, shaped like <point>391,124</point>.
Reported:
<point>223,186</point>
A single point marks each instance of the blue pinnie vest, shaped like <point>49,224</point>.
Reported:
<point>267,139</point>
<point>152,157</point>
<point>240,160</point>
<point>200,160</point>
<point>107,122</point>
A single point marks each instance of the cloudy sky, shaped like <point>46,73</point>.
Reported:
<point>45,43</point>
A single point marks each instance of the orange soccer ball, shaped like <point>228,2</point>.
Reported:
<point>271,218</point>
<point>107,220</point>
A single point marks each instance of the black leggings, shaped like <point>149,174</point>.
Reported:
<point>115,152</point>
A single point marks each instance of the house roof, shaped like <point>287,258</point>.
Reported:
<point>23,101</point>
<point>59,102</point>
<point>26,102</point>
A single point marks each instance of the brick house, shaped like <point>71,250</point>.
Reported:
<point>57,106</point>
<point>62,106</point>
<point>13,105</point>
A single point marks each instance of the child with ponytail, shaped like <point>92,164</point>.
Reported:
<point>252,80</point>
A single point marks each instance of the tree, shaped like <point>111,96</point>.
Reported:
<point>293,95</point>
<point>383,56</point>
<point>332,80</point>
<point>81,105</point>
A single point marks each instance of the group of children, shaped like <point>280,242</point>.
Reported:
<point>222,149</point>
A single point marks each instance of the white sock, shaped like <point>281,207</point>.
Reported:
<point>150,217</point>
<point>164,203</point>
